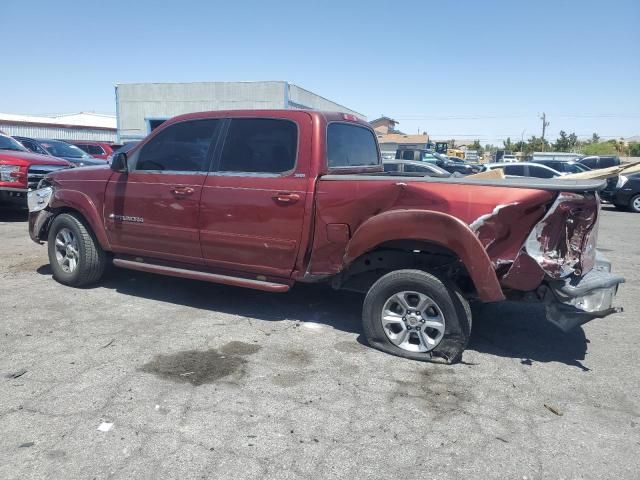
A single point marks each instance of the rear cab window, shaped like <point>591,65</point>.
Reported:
<point>351,146</point>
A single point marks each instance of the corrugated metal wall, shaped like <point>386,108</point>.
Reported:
<point>141,101</point>
<point>61,133</point>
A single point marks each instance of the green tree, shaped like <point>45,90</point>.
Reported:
<point>634,149</point>
<point>508,144</point>
<point>535,144</point>
<point>563,143</point>
<point>604,148</point>
<point>595,138</point>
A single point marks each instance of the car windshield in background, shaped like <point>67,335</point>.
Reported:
<point>62,149</point>
<point>8,143</point>
<point>351,146</point>
<point>429,157</point>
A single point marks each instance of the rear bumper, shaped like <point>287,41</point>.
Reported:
<point>575,301</point>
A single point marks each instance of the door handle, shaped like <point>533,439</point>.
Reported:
<point>182,191</point>
<point>284,197</point>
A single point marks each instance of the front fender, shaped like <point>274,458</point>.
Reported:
<point>83,204</point>
<point>435,227</point>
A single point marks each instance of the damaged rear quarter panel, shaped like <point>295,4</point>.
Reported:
<point>501,218</point>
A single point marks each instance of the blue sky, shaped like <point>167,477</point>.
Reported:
<point>464,69</point>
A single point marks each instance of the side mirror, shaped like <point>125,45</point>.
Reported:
<point>119,163</point>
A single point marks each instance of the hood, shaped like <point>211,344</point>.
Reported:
<point>84,162</point>
<point>28,158</point>
<point>100,172</point>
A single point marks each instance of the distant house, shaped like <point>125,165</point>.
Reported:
<point>390,138</point>
<point>384,125</point>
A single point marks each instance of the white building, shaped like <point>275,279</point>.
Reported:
<point>141,107</point>
<point>75,126</point>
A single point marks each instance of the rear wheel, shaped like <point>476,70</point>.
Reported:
<point>634,204</point>
<point>413,314</point>
<point>75,256</point>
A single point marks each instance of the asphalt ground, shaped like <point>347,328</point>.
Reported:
<point>146,376</point>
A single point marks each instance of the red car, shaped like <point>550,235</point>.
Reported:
<point>266,199</point>
<point>100,150</point>
<point>21,170</point>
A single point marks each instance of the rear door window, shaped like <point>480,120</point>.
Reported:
<point>606,162</point>
<point>417,169</point>
<point>260,145</point>
<point>517,170</point>
<point>351,145</point>
<point>540,172</point>
<point>407,155</point>
<point>94,150</point>
<point>181,147</point>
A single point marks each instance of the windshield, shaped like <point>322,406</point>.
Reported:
<point>62,149</point>
<point>8,143</point>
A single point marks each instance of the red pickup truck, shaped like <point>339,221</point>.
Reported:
<point>21,170</point>
<point>265,199</point>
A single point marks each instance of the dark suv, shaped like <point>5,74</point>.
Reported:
<point>60,149</point>
<point>442,161</point>
<point>594,162</point>
<point>624,193</point>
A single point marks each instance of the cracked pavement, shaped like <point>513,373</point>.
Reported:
<point>208,381</point>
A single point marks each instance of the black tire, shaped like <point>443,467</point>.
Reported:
<point>91,260</point>
<point>453,305</point>
<point>634,204</point>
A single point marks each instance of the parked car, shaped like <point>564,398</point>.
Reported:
<point>563,166</point>
<point>508,158</point>
<point>603,161</point>
<point>101,150</point>
<point>524,169</point>
<point>435,158</point>
<point>409,167</point>
<point>124,148</point>
<point>266,199</point>
<point>624,193</point>
<point>60,149</point>
<point>21,170</point>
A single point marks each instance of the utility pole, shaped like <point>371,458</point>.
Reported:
<point>545,124</point>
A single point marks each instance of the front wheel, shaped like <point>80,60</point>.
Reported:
<point>75,256</point>
<point>413,314</point>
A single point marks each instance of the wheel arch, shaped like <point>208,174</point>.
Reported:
<point>70,201</point>
<point>428,228</point>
